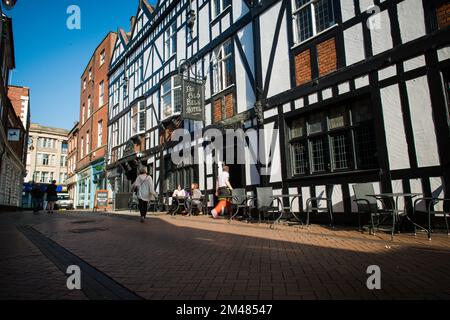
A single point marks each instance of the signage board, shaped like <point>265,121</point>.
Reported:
<point>101,200</point>
<point>193,100</point>
<point>13,134</point>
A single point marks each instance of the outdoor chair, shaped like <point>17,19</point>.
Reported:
<point>239,203</point>
<point>313,204</point>
<point>133,203</point>
<point>430,204</point>
<point>367,203</point>
<point>200,206</point>
<point>179,205</point>
<point>266,204</point>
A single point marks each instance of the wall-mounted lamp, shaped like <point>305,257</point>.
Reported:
<point>9,4</point>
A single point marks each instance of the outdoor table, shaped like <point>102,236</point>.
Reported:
<point>181,202</point>
<point>394,200</point>
<point>247,198</point>
<point>280,198</point>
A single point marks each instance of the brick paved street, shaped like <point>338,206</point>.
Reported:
<point>200,258</point>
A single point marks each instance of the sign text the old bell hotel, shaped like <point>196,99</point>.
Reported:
<point>193,100</point>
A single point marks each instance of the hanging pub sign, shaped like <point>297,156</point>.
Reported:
<point>193,100</point>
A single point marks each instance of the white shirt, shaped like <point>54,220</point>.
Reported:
<point>179,193</point>
<point>222,179</point>
<point>146,191</point>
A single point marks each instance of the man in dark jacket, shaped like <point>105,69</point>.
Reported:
<point>36,197</point>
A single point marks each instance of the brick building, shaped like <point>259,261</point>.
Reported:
<point>72,159</point>
<point>357,91</point>
<point>12,130</point>
<point>92,128</point>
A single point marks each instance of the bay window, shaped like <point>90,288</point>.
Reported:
<point>223,67</point>
<point>311,17</point>
<point>171,97</point>
<point>339,139</point>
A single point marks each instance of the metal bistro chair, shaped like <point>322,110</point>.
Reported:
<point>265,203</point>
<point>180,203</point>
<point>369,205</point>
<point>239,203</point>
<point>133,203</point>
<point>431,212</point>
<point>201,206</point>
<point>318,200</point>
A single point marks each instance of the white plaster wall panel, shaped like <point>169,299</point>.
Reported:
<point>299,103</point>
<point>286,107</point>
<point>354,44</point>
<point>306,194</point>
<point>208,114</point>
<point>215,30</point>
<point>364,5</point>
<point>157,63</point>
<point>387,72</point>
<point>416,187</point>
<point>239,9</point>
<point>312,98</point>
<point>296,203</point>
<point>397,187</point>
<point>411,19</point>
<point>394,127</point>
<point>422,122</point>
<point>270,113</point>
<point>377,190</point>
<point>414,63</point>
<point>203,26</point>
<point>437,190</point>
<point>181,44</point>
<point>344,87</point>
<point>327,94</point>
<point>209,183</point>
<point>337,199</point>
<point>274,156</point>
<point>347,10</point>
<point>279,82</point>
<point>362,82</point>
<point>201,168</point>
<point>245,94</point>
<point>444,53</point>
<point>148,70</point>
<point>251,158</point>
<point>381,37</point>
<point>226,22</point>
<point>321,192</point>
<point>209,163</point>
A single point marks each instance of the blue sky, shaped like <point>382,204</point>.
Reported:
<point>50,58</point>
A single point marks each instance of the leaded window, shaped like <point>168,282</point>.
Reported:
<point>223,67</point>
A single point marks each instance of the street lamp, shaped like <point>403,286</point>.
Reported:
<point>9,4</point>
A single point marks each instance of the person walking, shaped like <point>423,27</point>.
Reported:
<point>36,197</point>
<point>143,186</point>
<point>52,196</point>
<point>223,192</point>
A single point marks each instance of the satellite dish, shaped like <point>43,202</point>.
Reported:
<point>9,4</point>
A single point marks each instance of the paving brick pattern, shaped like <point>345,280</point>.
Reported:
<point>182,258</point>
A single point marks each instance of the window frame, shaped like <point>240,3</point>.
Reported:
<point>314,33</point>
<point>170,41</point>
<point>101,93</point>
<point>223,5</point>
<point>350,128</point>
<point>219,67</point>
<point>172,94</point>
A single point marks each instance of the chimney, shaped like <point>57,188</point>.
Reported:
<point>132,22</point>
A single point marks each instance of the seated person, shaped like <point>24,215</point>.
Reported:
<point>196,196</point>
<point>179,192</point>
<point>178,202</point>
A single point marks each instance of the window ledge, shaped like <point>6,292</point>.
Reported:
<point>314,36</point>
<point>222,91</point>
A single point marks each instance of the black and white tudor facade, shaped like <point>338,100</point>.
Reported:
<point>357,89</point>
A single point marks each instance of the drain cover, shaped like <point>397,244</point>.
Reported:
<point>89,230</point>
<point>84,222</point>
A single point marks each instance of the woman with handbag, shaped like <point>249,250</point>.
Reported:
<point>143,186</point>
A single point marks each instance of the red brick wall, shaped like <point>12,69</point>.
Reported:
<point>326,57</point>
<point>15,94</point>
<point>98,112</point>
<point>303,67</point>
<point>443,15</point>
<point>229,106</point>
<point>218,110</point>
